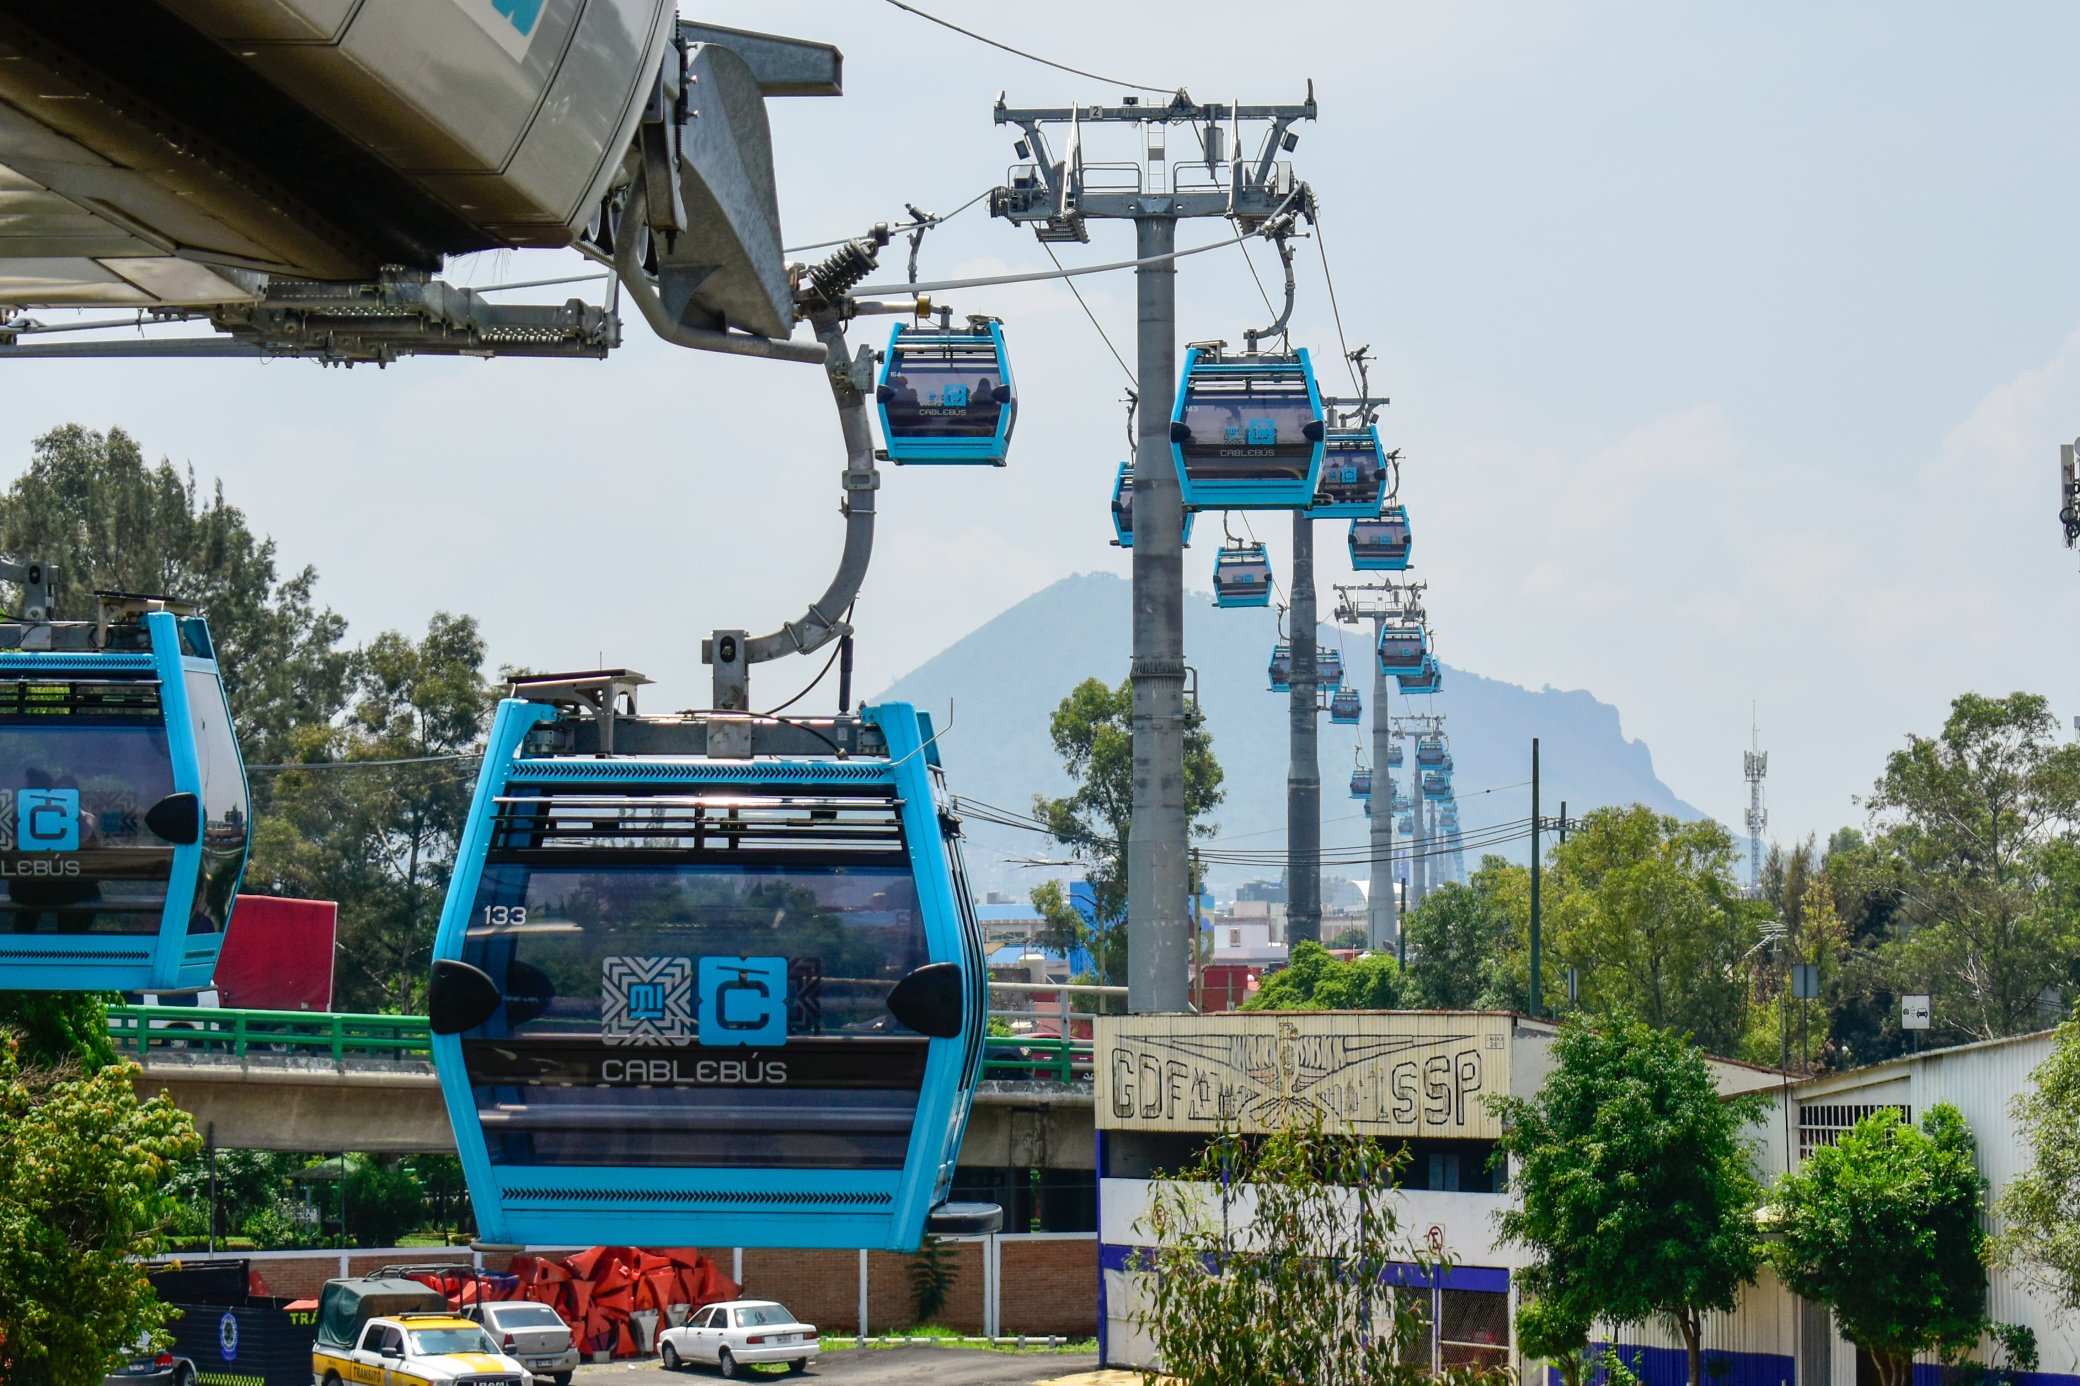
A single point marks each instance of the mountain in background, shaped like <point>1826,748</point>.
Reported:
<point>1004,680</point>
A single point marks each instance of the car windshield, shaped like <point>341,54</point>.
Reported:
<point>762,1315</point>
<point>526,1316</point>
<point>433,1342</point>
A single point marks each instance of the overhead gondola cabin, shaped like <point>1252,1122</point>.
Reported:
<point>1428,679</point>
<point>1247,430</point>
<point>946,394</point>
<point>1361,783</point>
<point>1382,544</point>
<point>1354,475</point>
<point>1123,509</point>
<point>1394,755</point>
<point>684,1001</point>
<point>1328,666</point>
<point>1280,669</point>
<point>1430,751</point>
<point>1401,649</point>
<point>1242,576</point>
<point>1406,825</point>
<point>124,812</point>
<point>1346,708</point>
<point>1437,786</point>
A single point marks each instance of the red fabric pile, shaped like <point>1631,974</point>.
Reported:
<point>595,1290</point>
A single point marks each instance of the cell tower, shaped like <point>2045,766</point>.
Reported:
<point>1755,763</point>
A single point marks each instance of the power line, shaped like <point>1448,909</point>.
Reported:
<point>1034,276</point>
<point>1132,383</point>
<point>894,230</point>
<point>369,764</point>
<point>1322,248</point>
<point>1029,57</point>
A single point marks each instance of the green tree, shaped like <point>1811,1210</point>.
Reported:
<point>58,1027</point>
<point>91,504</point>
<point>1883,1227</point>
<point>83,1168</point>
<point>1645,909</point>
<point>1634,1189</point>
<point>1460,936</point>
<point>2040,1209</point>
<point>1093,732</point>
<point>1273,1263</point>
<point>1555,1328</point>
<point>1314,979</point>
<point>384,1201</point>
<point>1972,823</point>
<point>381,839</point>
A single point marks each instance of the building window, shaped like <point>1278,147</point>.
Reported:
<point>1824,1123</point>
<point>1472,1329</point>
<point>1234,938</point>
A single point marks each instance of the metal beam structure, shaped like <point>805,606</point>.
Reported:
<point>1058,197</point>
<point>1304,771</point>
<point>1379,602</point>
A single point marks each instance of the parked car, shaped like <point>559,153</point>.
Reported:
<point>430,1349</point>
<point>739,1333</point>
<point>535,1335</point>
<point>148,1368</point>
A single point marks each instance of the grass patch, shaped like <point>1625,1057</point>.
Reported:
<point>933,1334</point>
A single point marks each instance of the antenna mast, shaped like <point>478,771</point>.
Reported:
<point>1755,763</point>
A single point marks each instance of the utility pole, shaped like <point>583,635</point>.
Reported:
<point>1535,993</point>
<point>1304,773</point>
<point>1051,195</point>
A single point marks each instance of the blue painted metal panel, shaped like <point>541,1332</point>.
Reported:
<point>746,1189</point>
<point>947,396</point>
<point>172,958</point>
<point>1123,509</point>
<point>1246,432</point>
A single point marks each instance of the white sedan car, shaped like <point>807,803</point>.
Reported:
<point>739,1333</point>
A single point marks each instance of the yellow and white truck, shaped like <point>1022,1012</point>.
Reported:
<point>378,1332</point>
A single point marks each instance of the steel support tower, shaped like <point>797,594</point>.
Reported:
<point>1420,846</point>
<point>1304,771</point>
<point>1755,764</point>
<point>1050,193</point>
<point>1379,602</point>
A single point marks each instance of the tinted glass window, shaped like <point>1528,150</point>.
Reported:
<point>79,767</point>
<point>225,810</point>
<point>432,1342</point>
<point>526,1316</point>
<point>695,1015</point>
<point>762,1316</point>
<point>944,392</point>
<point>1238,428</point>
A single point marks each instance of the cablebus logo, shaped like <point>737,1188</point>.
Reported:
<point>511,22</point>
<point>727,1002</point>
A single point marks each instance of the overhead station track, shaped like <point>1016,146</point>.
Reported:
<point>296,173</point>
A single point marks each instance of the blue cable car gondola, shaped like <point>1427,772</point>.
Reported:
<point>1328,666</point>
<point>1123,509</point>
<point>1402,649</point>
<point>1437,786</point>
<point>1247,430</point>
<point>1242,576</point>
<point>1382,545</point>
<point>1346,708</point>
<point>1354,475</point>
<point>1394,756</point>
<point>1405,825</point>
<point>1361,783</point>
<point>946,394</point>
<point>1430,751</point>
<point>1280,669</point>
<point>682,1001</point>
<point>124,813</point>
<point>1428,679</point>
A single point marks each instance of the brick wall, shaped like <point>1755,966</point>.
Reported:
<point>1049,1285</point>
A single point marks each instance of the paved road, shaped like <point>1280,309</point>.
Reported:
<point>908,1366</point>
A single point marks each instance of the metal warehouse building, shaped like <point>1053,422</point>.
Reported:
<point>1166,1083</point>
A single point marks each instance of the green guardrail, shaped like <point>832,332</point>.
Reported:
<point>140,1030</point>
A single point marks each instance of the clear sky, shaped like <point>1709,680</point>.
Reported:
<point>1730,348</point>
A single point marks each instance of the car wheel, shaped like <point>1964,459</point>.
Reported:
<point>798,1366</point>
<point>671,1364</point>
<point>183,1375</point>
<point>725,1363</point>
<point>332,1379</point>
<point>564,1378</point>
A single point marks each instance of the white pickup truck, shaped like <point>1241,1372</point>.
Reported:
<point>418,1350</point>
